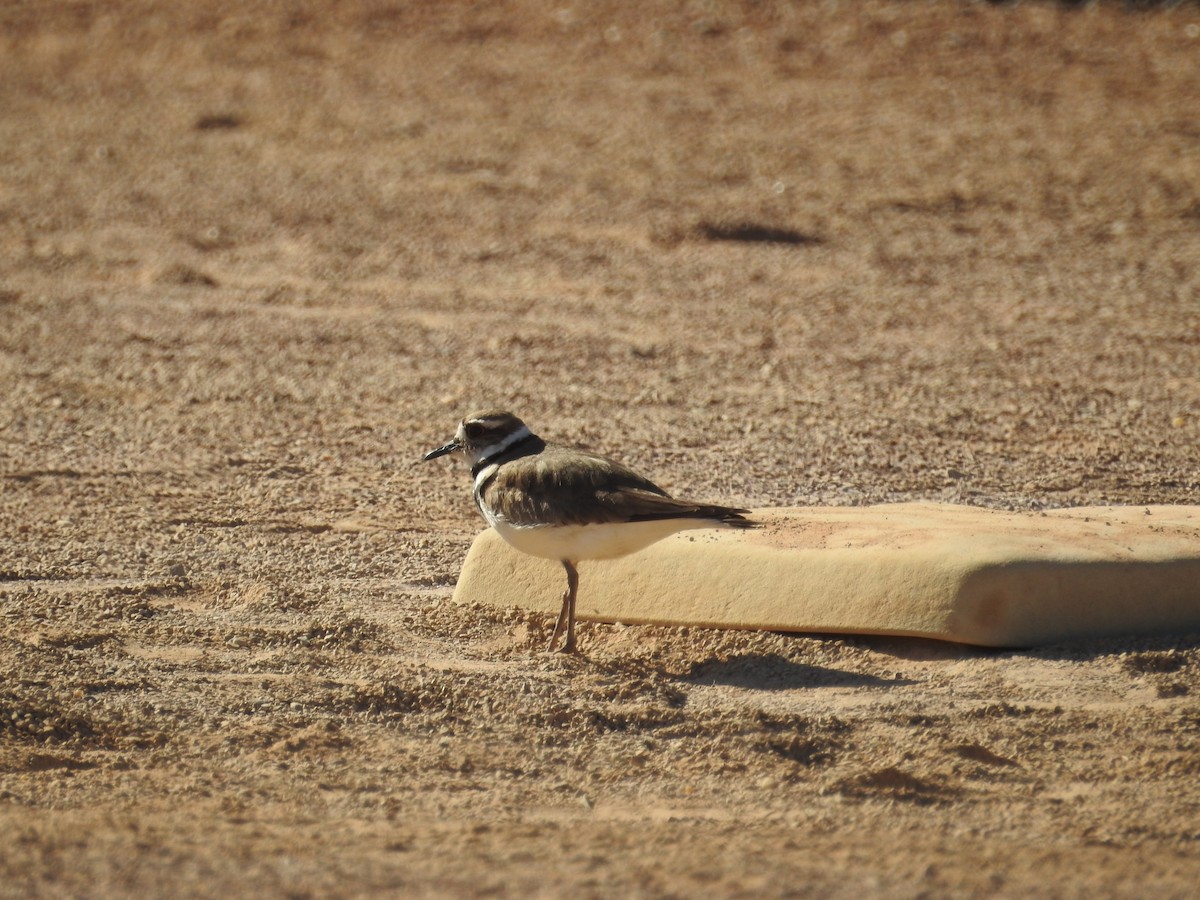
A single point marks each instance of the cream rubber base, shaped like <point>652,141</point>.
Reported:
<point>932,570</point>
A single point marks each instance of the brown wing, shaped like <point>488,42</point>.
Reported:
<point>573,487</point>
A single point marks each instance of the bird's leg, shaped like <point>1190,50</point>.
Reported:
<point>572,590</point>
<point>562,617</point>
<point>568,610</point>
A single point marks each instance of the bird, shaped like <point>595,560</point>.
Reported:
<point>569,505</point>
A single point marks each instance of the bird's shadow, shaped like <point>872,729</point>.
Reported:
<point>772,672</point>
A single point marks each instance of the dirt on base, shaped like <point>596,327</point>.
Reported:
<point>258,258</point>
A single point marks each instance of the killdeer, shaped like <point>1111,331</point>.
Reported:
<point>566,504</point>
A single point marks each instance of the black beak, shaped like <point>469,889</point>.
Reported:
<point>442,451</point>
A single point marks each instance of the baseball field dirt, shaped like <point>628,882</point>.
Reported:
<point>255,259</point>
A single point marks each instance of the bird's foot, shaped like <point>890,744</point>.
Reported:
<point>569,646</point>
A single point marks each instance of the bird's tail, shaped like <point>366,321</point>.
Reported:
<point>727,515</point>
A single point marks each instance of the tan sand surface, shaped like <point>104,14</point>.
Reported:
<point>256,258</point>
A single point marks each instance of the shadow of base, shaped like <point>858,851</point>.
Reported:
<point>772,672</point>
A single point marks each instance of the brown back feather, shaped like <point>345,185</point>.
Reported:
<point>574,487</point>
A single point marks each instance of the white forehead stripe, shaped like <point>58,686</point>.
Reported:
<point>500,446</point>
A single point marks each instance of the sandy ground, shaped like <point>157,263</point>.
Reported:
<point>255,263</point>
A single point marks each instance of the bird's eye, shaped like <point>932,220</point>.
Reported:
<point>474,431</point>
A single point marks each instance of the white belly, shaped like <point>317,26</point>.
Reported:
<point>603,541</point>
